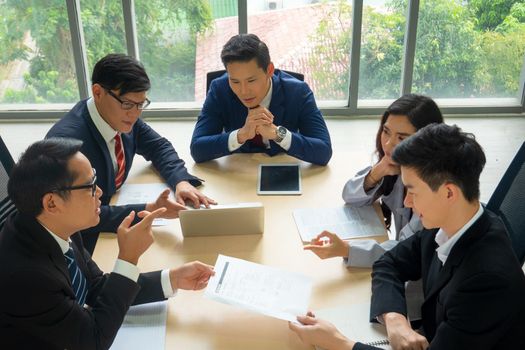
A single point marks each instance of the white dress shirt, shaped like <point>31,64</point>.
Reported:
<point>107,132</point>
<point>445,243</point>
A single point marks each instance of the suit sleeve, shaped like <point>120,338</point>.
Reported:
<point>389,274</point>
<point>364,252</point>
<point>150,284</point>
<point>354,191</point>
<point>72,326</point>
<point>161,153</point>
<point>477,313</point>
<point>312,141</point>
<point>208,140</point>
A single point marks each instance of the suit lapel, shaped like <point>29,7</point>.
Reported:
<point>36,235</point>
<point>277,102</point>
<point>457,254</point>
<point>277,108</point>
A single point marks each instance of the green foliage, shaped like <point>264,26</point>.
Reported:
<point>464,49</point>
<point>501,61</point>
<point>514,20</point>
<point>491,13</point>
<point>447,52</point>
<point>331,60</point>
<point>453,57</point>
<point>381,54</point>
<point>169,55</point>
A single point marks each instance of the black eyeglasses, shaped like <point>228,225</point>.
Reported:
<point>92,185</point>
<point>127,105</point>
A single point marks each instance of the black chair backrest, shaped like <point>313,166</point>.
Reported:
<point>210,76</point>
<point>6,206</point>
<point>508,202</point>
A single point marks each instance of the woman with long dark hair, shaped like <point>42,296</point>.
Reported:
<point>402,118</point>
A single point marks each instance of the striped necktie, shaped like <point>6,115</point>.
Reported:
<point>121,161</point>
<point>78,281</point>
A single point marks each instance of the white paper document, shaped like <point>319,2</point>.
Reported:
<point>263,289</point>
<point>142,193</point>
<point>354,322</point>
<point>144,327</point>
<point>347,222</point>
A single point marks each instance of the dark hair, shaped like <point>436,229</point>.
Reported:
<point>419,109</point>
<point>120,72</point>
<point>41,169</point>
<point>441,153</point>
<point>244,48</point>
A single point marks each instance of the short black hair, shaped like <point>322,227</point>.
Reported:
<point>42,169</point>
<point>117,71</point>
<point>441,153</point>
<point>244,48</point>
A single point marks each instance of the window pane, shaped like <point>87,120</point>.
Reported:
<point>171,34</point>
<point>469,49</point>
<point>36,59</point>
<point>209,44</point>
<point>104,31</point>
<point>310,38</point>
<point>382,39</point>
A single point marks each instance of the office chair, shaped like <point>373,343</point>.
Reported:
<point>508,202</point>
<point>6,206</point>
<point>210,76</point>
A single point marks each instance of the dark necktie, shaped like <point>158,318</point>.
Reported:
<point>78,281</point>
<point>433,271</point>
<point>257,141</point>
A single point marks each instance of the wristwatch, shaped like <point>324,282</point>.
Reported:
<point>280,133</point>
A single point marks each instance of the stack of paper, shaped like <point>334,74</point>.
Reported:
<point>142,193</point>
<point>144,327</point>
<point>353,322</point>
<point>347,222</point>
<point>259,288</point>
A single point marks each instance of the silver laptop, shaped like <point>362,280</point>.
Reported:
<point>232,219</point>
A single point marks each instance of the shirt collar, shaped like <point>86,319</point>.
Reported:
<point>445,244</point>
<point>107,132</point>
<point>64,245</point>
<point>268,98</point>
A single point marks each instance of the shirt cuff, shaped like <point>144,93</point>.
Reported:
<point>233,144</point>
<point>127,269</point>
<point>380,319</point>
<point>286,142</point>
<point>165,282</point>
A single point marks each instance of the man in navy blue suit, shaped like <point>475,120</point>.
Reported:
<point>257,108</point>
<point>108,124</point>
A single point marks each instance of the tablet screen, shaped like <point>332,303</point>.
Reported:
<point>279,179</point>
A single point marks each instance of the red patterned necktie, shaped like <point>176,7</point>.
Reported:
<point>121,161</point>
<point>257,141</point>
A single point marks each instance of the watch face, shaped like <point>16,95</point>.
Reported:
<point>281,131</point>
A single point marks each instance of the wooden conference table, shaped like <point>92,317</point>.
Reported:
<point>195,322</point>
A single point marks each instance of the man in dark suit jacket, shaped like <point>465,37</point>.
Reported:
<point>47,276</point>
<point>119,91</point>
<point>256,108</point>
<point>472,281</point>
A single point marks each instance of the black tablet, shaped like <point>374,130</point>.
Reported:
<point>279,179</point>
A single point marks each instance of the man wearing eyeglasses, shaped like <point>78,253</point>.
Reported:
<point>53,295</point>
<point>112,133</point>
